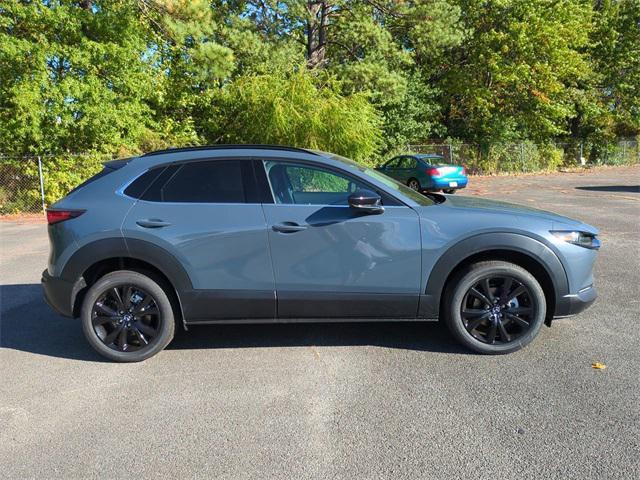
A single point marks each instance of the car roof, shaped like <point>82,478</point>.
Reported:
<point>420,156</point>
<point>218,147</point>
<point>172,155</point>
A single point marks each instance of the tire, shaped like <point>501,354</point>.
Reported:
<point>414,184</point>
<point>122,311</point>
<point>450,191</point>
<point>506,326</point>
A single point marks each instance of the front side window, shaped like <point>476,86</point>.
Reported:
<point>310,185</point>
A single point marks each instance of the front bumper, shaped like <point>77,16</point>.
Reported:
<point>58,293</point>
<point>576,302</point>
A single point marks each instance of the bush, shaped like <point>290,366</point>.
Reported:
<point>293,110</point>
<point>63,173</point>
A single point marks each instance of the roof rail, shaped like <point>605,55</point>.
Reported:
<point>229,147</point>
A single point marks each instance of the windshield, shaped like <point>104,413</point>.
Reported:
<point>397,186</point>
<point>388,181</point>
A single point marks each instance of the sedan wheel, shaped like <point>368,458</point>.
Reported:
<point>414,184</point>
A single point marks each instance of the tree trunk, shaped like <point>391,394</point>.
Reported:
<point>317,32</point>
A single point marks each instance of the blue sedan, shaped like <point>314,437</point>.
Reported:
<point>426,172</point>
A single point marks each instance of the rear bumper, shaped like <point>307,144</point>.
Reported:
<point>576,302</point>
<point>445,183</point>
<point>58,294</point>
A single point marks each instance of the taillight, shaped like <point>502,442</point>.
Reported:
<point>434,172</point>
<point>463,171</point>
<point>57,216</point>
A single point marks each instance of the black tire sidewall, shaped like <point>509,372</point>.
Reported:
<point>469,278</point>
<point>149,285</point>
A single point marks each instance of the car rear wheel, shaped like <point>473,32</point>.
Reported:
<point>127,316</point>
<point>414,184</point>
<point>494,307</point>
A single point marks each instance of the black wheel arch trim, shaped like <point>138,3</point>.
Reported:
<point>486,242</point>
<point>136,249</point>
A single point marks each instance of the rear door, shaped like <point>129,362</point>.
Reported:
<point>206,213</point>
<point>407,169</point>
<point>331,261</point>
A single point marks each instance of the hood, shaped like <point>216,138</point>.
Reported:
<point>481,205</point>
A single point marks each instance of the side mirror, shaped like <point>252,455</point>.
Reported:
<point>366,201</point>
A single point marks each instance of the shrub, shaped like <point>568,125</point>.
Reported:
<point>293,110</point>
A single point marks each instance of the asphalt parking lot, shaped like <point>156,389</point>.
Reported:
<point>336,401</point>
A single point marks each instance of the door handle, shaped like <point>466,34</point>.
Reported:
<point>152,223</point>
<point>288,227</point>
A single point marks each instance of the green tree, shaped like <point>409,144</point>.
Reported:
<point>73,76</point>
<point>616,58</point>
<point>512,76</point>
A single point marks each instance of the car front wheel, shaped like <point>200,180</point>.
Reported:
<point>127,316</point>
<point>494,307</point>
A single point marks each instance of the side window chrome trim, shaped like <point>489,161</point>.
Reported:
<point>198,203</point>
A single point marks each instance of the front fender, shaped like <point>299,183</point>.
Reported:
<point>485,242</point>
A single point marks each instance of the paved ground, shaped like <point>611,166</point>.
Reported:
<point>320,401</point>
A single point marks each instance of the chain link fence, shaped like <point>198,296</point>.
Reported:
<point>523,157</point>
<point>29,183</point>
<point>21,185</point>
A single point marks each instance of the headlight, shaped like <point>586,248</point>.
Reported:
<point>582,239</point>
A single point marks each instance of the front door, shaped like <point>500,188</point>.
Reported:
<point>331,261</point>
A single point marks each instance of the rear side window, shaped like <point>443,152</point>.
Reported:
<point>218,181</point>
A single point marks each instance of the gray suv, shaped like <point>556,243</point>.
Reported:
<point>254,234</point>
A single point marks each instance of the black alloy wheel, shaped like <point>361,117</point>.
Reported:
<point>126,318</point>
<point>497,310</point>
<point>494,307</point>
